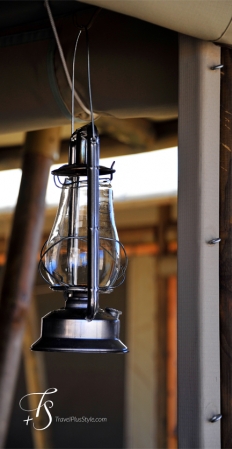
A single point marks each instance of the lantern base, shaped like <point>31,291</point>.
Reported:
<point>78,345</point>
<point>67,330</point>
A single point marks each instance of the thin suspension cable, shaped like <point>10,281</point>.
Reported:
<point>85,109</point>
<point>89,84</point>
<point>73,79</point>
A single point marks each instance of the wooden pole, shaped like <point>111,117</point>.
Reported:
<point>34,367</point>
<point>40,149</point>
<point>141,389</point>
<point>226,247</point>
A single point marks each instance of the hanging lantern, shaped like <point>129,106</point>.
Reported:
<point>83,256</point>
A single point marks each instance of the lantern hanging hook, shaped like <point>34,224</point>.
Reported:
<point>82,28</point>
<point>61,53</point>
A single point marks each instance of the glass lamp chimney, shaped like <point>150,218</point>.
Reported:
<point>66,259</point>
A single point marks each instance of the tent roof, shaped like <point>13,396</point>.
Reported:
<point>208,20</point>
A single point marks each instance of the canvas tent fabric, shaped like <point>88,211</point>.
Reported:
<point>130,76</point>
<point>209,20</point>
<point>133,54</point>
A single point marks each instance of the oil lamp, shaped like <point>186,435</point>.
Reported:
<point>82,256</point>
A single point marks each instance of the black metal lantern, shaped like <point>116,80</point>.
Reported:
<point>82,256</point>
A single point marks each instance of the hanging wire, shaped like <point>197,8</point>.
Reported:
<point>73,81</point>
<point>89,80</point>
<point>82,105</point>
<point>89,83</point>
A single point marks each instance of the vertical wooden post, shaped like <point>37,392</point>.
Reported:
<point>40,148</point>
<point>198,223</point>
<point>34,367</point>
<point>226,247</point>
<point>140,362</point>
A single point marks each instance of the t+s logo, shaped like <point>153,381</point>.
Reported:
<point>43,404</point>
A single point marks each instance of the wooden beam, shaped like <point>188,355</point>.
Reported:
<point>40,148</point>
<point>118,138</point>
<point>137,132</point>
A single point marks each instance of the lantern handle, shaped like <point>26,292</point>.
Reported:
<point>93,149</point>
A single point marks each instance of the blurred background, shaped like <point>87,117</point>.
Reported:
<point>136,392</point>
<point>134,80</point>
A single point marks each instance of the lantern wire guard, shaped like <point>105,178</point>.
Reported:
<point>83,255</point>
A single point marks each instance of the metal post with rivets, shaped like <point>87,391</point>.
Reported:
<point>198,248</point>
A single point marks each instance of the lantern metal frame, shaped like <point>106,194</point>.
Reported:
<point>82,326</point>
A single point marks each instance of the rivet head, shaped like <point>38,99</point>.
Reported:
<point>216,67</point>
<point>216,418</point>
<point>214,241</point>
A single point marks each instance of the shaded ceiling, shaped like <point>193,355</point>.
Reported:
<point>134,67</point>
<point>134,76</point>
<point>129,73</point>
